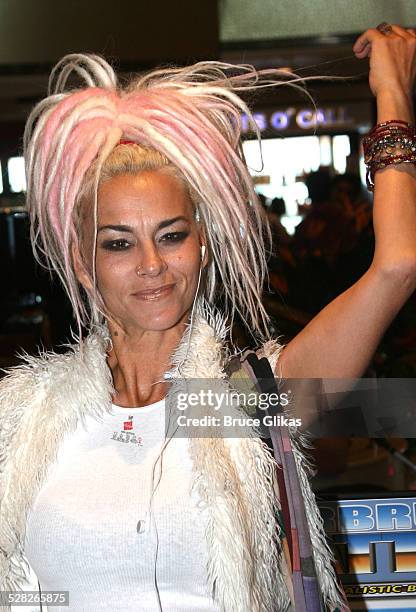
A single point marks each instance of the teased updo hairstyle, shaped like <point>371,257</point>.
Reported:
<point>184,120</point>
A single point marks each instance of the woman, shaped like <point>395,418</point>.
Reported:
<point>142,203</point>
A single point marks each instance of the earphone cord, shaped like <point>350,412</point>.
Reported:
<point>40,597</point>
<point>192,310</point>
<point>151,513</point>
<point>166,442</point>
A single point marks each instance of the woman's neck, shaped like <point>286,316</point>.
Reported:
<point>138,359</point>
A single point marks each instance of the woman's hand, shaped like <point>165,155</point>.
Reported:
<point>392,59</point>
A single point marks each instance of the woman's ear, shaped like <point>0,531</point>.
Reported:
<point>79,268</point>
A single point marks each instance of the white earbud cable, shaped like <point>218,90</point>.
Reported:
<point>150,512</point>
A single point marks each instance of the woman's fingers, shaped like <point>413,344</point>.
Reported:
<point>400,31</point>
<point>366,39</point>
<point>365,52</point>
<point>392,55</point>
<point>362,46</point>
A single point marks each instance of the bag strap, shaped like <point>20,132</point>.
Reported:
<point>267,384</point>
<point>307,596</point>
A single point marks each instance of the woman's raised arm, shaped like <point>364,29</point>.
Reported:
<point>341,340</point>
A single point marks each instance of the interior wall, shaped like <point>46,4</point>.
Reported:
<point>271,19</point>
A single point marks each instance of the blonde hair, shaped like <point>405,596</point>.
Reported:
<point>126,158</point>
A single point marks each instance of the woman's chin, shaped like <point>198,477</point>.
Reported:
<point>161,321</point>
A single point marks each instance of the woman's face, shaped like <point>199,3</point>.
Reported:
<point>148,252</point>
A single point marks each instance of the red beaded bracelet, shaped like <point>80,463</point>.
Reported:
<point>380,142</point>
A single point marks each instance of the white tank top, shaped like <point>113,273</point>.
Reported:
<point>82,529</point>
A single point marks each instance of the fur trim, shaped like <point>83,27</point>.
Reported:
<point>39,401</point>
<point>234,472</point>
<point>324,560</point>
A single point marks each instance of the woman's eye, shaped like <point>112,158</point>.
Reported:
<point>174,236</point>
<point>116,245</point>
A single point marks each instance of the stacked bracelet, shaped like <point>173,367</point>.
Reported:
<point>391,142</point>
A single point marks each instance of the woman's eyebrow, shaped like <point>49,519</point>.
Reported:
<point>128,228</point>
<point>167,222</point>
<point>117,228</point>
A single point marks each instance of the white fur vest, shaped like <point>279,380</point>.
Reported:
<point>45,397</point>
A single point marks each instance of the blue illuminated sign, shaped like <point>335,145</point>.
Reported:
<point>375,544</point>
<point>303,119</point>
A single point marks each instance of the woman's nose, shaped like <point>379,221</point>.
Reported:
<point>150,262</point>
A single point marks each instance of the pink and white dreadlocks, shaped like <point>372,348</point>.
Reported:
<point>192,118</point>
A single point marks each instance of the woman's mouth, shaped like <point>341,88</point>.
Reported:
<point>154,294</point>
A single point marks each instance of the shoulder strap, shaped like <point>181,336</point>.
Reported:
<point>305,584</point>
<point>267,384</point>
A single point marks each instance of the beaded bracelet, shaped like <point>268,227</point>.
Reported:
<point>390,142</point>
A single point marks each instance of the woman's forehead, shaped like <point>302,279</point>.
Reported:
<point>149,196</point>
